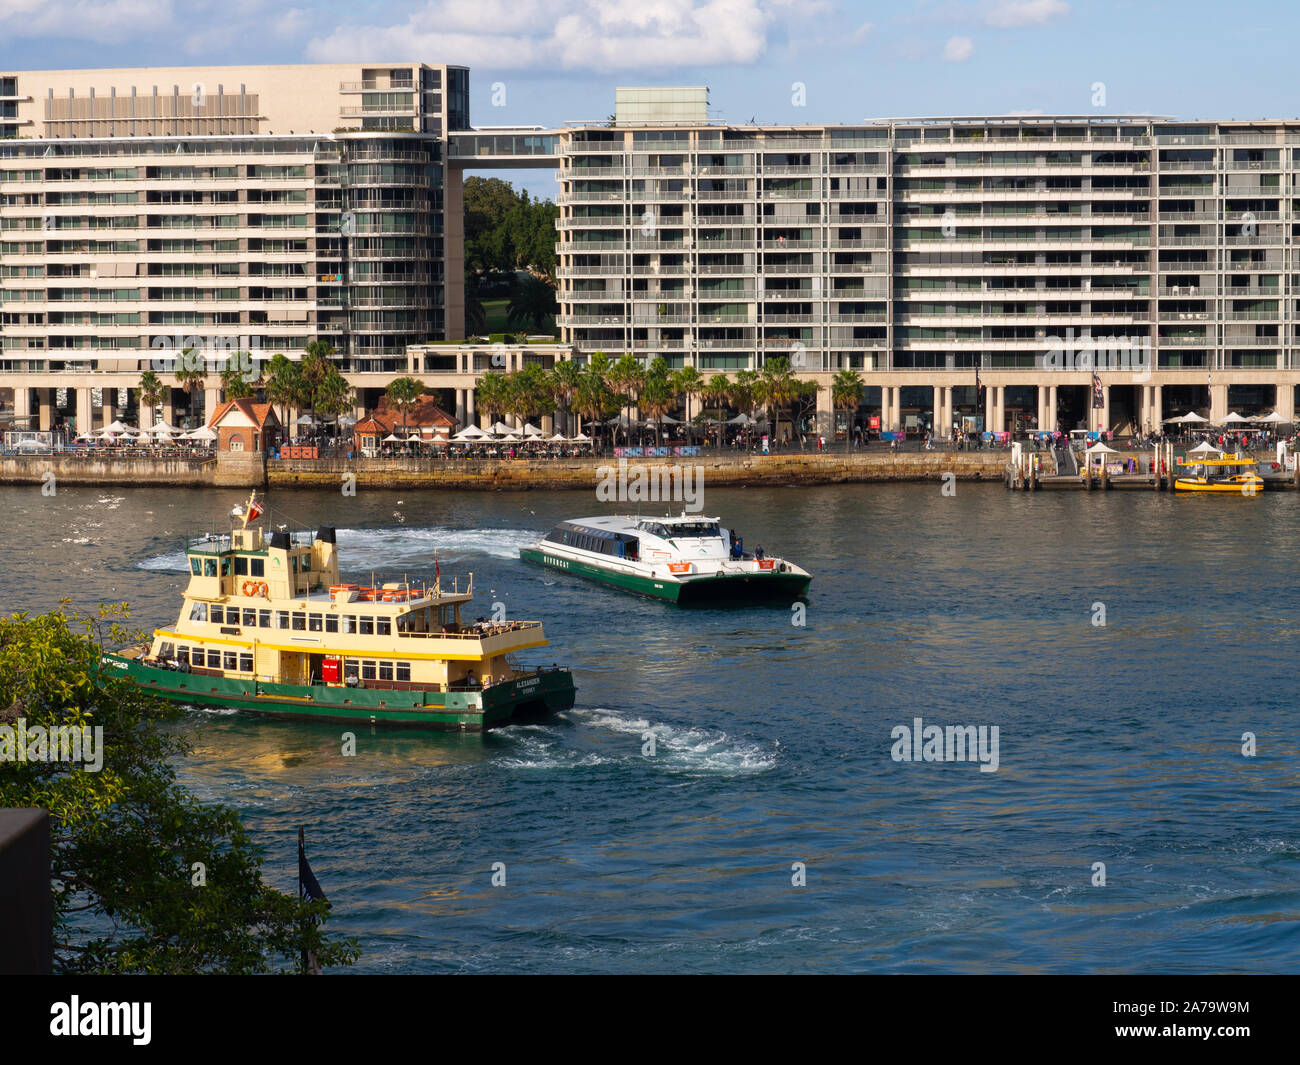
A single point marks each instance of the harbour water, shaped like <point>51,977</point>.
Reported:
<point>1119,743</point>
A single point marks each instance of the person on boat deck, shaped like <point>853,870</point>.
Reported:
<point>470,682</point>
<point>758,552</point>
<point>737,545</point>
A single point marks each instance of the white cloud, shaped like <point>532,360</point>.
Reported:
<point>958,49</point>
<point>104,21</point>
<point>573,34</point>
<point>1009,14</point>
<point>863,31</point>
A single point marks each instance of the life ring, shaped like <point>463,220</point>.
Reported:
<point>263,589</point>
<point>249,588</point>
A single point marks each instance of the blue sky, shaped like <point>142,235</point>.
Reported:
<point>560,60</point>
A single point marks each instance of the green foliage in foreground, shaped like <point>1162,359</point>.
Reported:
<point>125,839</point>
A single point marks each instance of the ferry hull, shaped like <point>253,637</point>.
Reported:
<point>533,695</point>
<point>726,588</point>
<point>1239,488</point>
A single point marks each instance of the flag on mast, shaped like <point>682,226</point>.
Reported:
<point>308,888</point>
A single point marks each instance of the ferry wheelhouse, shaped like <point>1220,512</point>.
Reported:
<point>685,559</point>
<point>267,625</point>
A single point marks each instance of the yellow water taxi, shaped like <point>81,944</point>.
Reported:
<point>1223,473</point>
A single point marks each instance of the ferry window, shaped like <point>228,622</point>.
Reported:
<point>294,560</point>
<point>250,618</point>
<point>183,655</point>
<point>367,671</point>
<point>219,615</point>
<point>225,567</point>
<point>257,567</point>
<point>209,567</point>
<point>349,623</point>
<point>306,563</point>
<point>241,566</point>
<point>167,650</point>
<point>264,619</point>
<point>282,619</point>
<point>246,663</point>
<point>383,626</point>
<point>404,671</point>
<point>385,670</point>
<point>214,659</point>
<point>199,612</point>
<point>196,566</point>
<point>231,660</point>
<point>332,623</point>
<point>367,626</point>
<point>299,622</point>
<point>313,622</point>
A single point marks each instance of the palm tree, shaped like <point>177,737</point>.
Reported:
<point>594,399</point>
<point>403,393</point>
<point>626,378</point>
<point>317,362</point>
<point>562,382</point>
<point>335,397</point>
<point>778,388</point>
<point>846,395</point>
<point>532,304</point>
<point>283,385</point>
<point>744,391</point>
<point>657,397</point>
<point>152,392</point>
<point>191,376</point>
<point>527,392</point>
<point>490,396</point>
<point>718,392</point>
<point>687,382</point>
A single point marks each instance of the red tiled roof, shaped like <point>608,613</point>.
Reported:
<point>258,413</point>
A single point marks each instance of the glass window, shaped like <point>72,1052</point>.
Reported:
<point>282,619</point>
<point>199,612</point>
<point>167,650</point>
<point>241,566</point>
<point>214,659</point>
<point>231,660</point>
<point>383,626</point>
<point>264,619</point>
<point>209,567</point>
<point>385,670</point>
<point>196,566</point>
<point>367,671</point>
<point>246,663</point>
<point>225,567</point>
<point>218,615</point>
<point>257,567</point>
<point>404,671</point>
<point>250,617</point>
<point>313,622</point>
<point>306,563</point>
<point>367,626</point>
<point>349,623</point>
<point>183,655</point>
<point>299,622</point>
<point>332,623</point>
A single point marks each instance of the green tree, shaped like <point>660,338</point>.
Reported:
<point>334,396</point>
<point>595,400</point>
<point>657,397</point>
<point>475,315</point>
<point>717,392</point>
<point>532,304</point>
<point>284,385</point>
<point>403,394</point>
<point>191,376</point>
<point>563,381</point>
<point>152,392</point>
<point>527,392</point>
<point>687,382</point>
<point>777,387</point>
<point>846,395</point>
<point>625,379</point>
<point>314,370</point>
<point>744,391</point>
<point>491,396</point>
<point>124,838</point>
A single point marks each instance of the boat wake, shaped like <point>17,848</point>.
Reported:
<point>366,548</point>
<point>608,737</point>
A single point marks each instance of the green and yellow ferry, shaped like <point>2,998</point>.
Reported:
<point>268,627</point>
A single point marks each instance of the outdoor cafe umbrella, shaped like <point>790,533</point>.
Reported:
<point>532,430</point>
<point>116,427</point>
<point>582,438</point>
<point>1205,448</point>
<point>1190,418</point>
<point>501,429</point>
<point>392,438</point>
<point>470,432</point>
<point>558,438</point>
<point>1272,418</point>
<point>1236,419</point>
<point>203,433</point>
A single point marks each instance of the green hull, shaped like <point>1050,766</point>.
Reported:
<point>730,588</point>
<point>533,695</point>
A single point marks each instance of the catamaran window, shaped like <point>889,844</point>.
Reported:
<point>299,622</point>
<point>209,567</point>
<point>196,566</point>
<point>263,619</point>
<point>219,615</point>
<point>214,659</point>
<point>250,618</point>
<point>313,622</point>
<point>241,566</point>
<point>385,670</point>
<point>257,567</point>
<point>701,529</point>
<point>231,660</point>
<point>367,626</point>
<point>404,671</point>
<point>282,619</point>
<point>246,663</point>
<point>367,671</point>
<point>199,612</point>
<point>383,626</point>
<point>332,623</point>
<point>349,623</point>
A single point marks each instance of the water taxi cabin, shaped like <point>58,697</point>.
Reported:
<point>269,606</point>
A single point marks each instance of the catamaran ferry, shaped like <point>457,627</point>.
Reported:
<point>684,559</point>
<point>267,626</point>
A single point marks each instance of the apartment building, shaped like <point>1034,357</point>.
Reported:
<point>219,209</point>
<point>922,251</point>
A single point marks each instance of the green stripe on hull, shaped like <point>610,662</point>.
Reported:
<point>722,589</point>
<point>535,694</point>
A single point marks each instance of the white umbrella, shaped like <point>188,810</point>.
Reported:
<point>501,429</point>
<point>162,427</point>
<point>532,430</point>
<point>1235,419</point>
<point>1205,448</point>
<point>1190,418</point>
<point>470,432</point>
<point>116,427</point>
<point>306,419</point>
<point>558,438</point>
<point>510,439</point>
<point>392,438</point>
<point>740,419</point>
<point>582,438</point>
<point>202,433</point>
<point>1100,449</point>
<point>1272,418</point>
<point>347,419</point>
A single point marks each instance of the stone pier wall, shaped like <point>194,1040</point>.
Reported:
<point>119,470</point>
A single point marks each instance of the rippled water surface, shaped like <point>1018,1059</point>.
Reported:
<point>1119,744</point>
